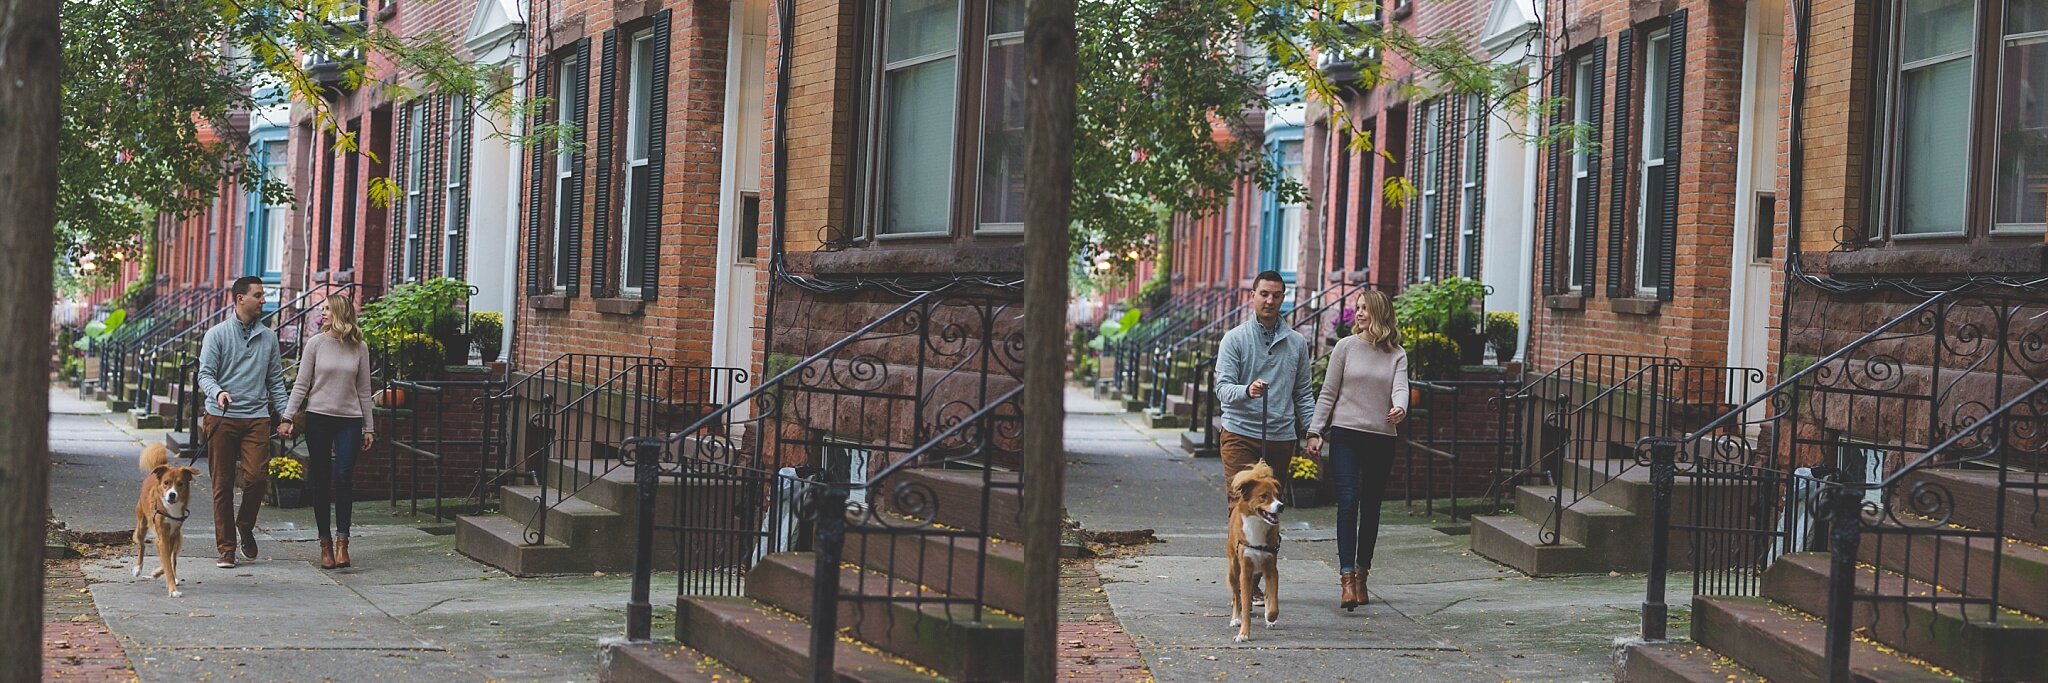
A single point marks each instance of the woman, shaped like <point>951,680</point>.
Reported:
<point>333,390</point>
<point>1365,395</point>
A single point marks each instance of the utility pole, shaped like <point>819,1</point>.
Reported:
<point>1049,66</point>
<point>31,66</point>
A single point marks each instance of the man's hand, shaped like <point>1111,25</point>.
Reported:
<point>1257,388</point>
<point>1396,415</point>
<point>284,429</point>
<point>1315,446</point>
<point>225,399</point>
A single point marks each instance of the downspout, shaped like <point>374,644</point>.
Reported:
<point>1795,182</point>
<point>785,29</point>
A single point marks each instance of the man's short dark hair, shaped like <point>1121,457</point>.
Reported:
<point>1272,275</point>
<point>242,284</point>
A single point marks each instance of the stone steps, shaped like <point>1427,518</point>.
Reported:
<point>959,641</point>
<point>766,644</point>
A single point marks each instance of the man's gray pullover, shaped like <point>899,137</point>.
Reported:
<point>241,359</point>
<point>1278,355</point>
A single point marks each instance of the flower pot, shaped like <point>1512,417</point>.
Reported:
<point>287,493</point>
<point>455,350</point>
<point>393,398</point>
<point>489,353</point>
<point>1471,347</point>
<point>1305,493</point>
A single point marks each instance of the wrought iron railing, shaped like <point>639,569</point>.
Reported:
<point>119,354</point>
<point>522,418</point>
<point>1955,382</point>
<point>1452,423</point>
<point>1129,352</point>
<point>930,384</point>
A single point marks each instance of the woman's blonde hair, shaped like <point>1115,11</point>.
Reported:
<point>1375,323</point>
<point>341,319</point>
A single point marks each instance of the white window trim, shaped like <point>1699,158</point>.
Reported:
<point>879,169</point>
<point>2005,45</point>
<point>638,101</point>
<point>1582,112</point>
<point>987,90</point>
<point>565,170</point>
<point>1651,156</point>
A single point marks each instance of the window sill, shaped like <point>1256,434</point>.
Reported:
<point>1565,302</point>
<point>551,302</point>
<point>1636,306</point>
<point>2029,259</point>
<point>633,307</point>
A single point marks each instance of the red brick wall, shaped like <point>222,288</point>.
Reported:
<point>454,415</point>
<point>1692,326</point>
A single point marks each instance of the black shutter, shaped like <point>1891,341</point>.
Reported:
<point>398,163</point>
<point>1446,160</point>
<point>434,193</point>
<point>1617,215</point>
<point>579,114</point>
<point>657,160</point>
<point>1550,246</point>
<point>536,229</point>
<point>1674,112</point>
<point>458,261</point>
<point>1589,220</point>
<point>1478,120</point>
<point>1418,150</point>
<point>601,228</point>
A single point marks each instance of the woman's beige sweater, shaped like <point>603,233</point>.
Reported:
<point>334,380</point>
<point>1362,384</point>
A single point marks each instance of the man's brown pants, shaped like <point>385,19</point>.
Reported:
<point>1240,452</point>
<point>237,452</point>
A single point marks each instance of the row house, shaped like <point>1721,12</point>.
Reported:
<point>237,233</point>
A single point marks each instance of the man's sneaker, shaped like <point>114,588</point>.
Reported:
<point>1258,597</point>
<point>249,543</point>
<point>226,561</point>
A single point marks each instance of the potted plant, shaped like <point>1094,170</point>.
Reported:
<point>447,328</point>
<point>1502,333</point>
<point>1432,355</point>
<point>1302,475</point>
<point>287,481</point>
<point>1445,308</point>
<point>487,329</point>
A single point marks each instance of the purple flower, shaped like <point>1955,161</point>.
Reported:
<point>1348,316</point>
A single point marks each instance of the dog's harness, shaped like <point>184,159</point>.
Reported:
<point>1274,548</point>
<point>167,515</point>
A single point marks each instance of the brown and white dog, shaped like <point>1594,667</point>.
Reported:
<point>161,509</point>
<point>1254,545</point>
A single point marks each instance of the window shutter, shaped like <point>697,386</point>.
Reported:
<point>396,258</point>
<point>535,181</point>
<point>1617,214</point>
<point>1418,150</point>
<point>1479,120</point>
<point>601,228</point>
<point>458,262</point>
<point>579,114</point>
<point>1446,163</point>
<point>1550,245</point>
<point>657,160</point>
<point>1674,111</point>
<point>434,193</point>
<point>1589,226</point>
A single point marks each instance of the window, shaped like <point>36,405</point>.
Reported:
<point>453,198</point>
<point>326,156</point>
<point>639,84</point>
<point>276,219</point>
<point>1002,120</point>
<point>1291,214</point>
<point>1578,249</point>
<point>415,188</point>
<point>1432,166</point>
<point>350,197</point>
<point>1656,175</point>
<point>567,83</point>
<point>1469,207</point>
<point>750,226</point>
<point>922,174</point>
<point>1954,159</point>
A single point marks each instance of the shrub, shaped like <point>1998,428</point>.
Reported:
<point>1501,329</point>
<point>1444,307</point>
<point>1432,355</point>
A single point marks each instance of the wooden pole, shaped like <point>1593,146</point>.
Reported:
<point>1050,62</point>
<point>31,66</point>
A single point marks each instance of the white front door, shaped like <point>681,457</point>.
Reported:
<point>1751,307</point>
<point>742,238</point>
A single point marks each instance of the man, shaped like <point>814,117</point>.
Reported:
<point>243,382</point>
<point>1262,382</point>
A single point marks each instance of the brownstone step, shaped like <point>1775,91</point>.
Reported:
<point>1784,644</point>
<point>624,662</point>
<point>1974,500</point>
<point>1961,638</point>
<point>955,499</point>
<point>766,644</point>
<point>1663,662</point>
<point>1958,562</point>
<point>963,642</point>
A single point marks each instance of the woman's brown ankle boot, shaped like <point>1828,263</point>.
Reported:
<point>1350,582</point>
<point>341,552</point>
<point>1358,581</point>
<point>327,553</point>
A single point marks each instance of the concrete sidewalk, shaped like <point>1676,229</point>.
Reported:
<point>411,609</point>
<point>1439,612</point>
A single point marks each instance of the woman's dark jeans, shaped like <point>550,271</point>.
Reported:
<point>1360,461</point>
<point>338,439</point>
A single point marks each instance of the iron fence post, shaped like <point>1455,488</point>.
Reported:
<point>831,515</point>
<point>646,472</point>
<point>1844,531</point>
<point>1663,475</point>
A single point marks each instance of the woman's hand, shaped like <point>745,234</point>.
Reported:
<point>1396,415</point>
<point>369,439</point>
<point>1315,446</point>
